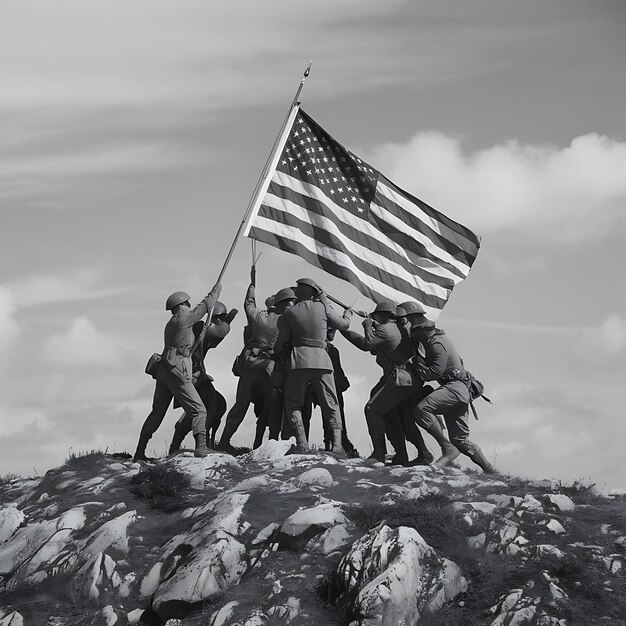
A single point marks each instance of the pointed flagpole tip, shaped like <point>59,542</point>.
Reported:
<point>308,69</point>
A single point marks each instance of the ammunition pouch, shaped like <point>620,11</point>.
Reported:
<point>153,365</point>
<point>475,387</point>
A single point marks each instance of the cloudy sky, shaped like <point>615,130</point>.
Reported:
<point>133,134</point>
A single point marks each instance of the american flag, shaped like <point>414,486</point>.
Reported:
<point>340,214</point>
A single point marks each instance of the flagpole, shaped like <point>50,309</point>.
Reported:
<point>266,173</point>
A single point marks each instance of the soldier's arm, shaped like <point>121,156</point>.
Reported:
<point>214,335</point>
<point>203,307</point>
<point>334,320</point>
<point>433,365</point>
<point>284,336</point>
<point>249,304</point>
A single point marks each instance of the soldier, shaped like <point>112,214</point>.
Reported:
<point>341,384</point>
<point>174,372</point>
<point>257,365</point>
<point>283,301</point>
<point>442,362</point>
<point>397,385</point>
<point>303,329</point>
<point>214,401</point>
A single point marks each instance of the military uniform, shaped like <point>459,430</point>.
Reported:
<point>174,373</point>
<point>257,367</point>
<point>443,363</point>
<point>304,328</point>
<point>214,402</point>
<point>396,385</point>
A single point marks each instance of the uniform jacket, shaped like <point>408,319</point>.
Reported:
<point>308,321</point>
<point>386,342</point>
<point>261,333</point>
<point>441,357</point>
<point>179,338</point>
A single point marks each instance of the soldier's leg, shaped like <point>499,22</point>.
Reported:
<point>189,398</point>
<point>245,391</point>
<point>296,384</point>
<point>426,412</point>
<point>396,435</point>
<point>386,398</point>
<point>262,407</point>
<point>457,421</point>
<point>413,434</point>
<point>181,429</point>
<point>307,411</point>
<point>160,403</point>
<point>348,446</point>
<point>324,389</point>
<point>220,410</point>
<point>276,411</point>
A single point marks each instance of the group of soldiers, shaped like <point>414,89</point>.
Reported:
<point>289,363</point>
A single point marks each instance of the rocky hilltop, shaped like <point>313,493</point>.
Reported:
<point>276,538</point>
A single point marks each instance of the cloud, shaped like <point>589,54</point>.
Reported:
<point>9,328</point>
<point>546,193</point>
<point>82,345</point>
<point>17,419</point>
<point>606,340</point>
<point>41,289</point>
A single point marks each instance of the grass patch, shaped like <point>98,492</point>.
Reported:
<point>162,487</point>
<point>84,458</point>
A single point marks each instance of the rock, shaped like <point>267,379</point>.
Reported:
<point>305,524</point>
<point>11,519</point>
<point>35,546</point>
<point>90,580</point>
<point>482,507</point>
<point>134,616</point>
<point>205,471</point>
<point>109,615</point>
<point>271,450</point>
<point>12,619</point>
<point>151,580</point>
<point>530,503</point>
<point>477,541</point>
<point>559,501</point>
<point>117,467</point>
<point>543,550</point>
<point>204,576</point>
<point>287,611</point>
<point>112,534</point>
<point>200,565</point>
<point>330,540</point>
<point>250,484</point>
<point>315,476</point>
<point>221,617</point>
<point>395,577</point>
<point>555,526</point>
<point>265,534</point>
<point>499,499</point>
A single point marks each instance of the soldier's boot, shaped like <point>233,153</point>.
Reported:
<point>474,452</point>
<point>448,451</point>
<point>177,439</point>
<point>201,447</point>
<point>379,451</point>
<point>302,445</point>
<point>140,452</point>
<point>224,444</point>
<point>424,455</point>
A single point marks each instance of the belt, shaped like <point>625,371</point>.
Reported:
<point>455,374</point>
<point>184,351</point>
<point>310,343</point>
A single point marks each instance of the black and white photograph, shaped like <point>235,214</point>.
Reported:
<point>312,313</point>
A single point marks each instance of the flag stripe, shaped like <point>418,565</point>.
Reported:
<point>423,226</point>
<point>379,267</point>
<point>334,263</point>
<point>465,235</point>
<point>333,218</point>
<point>423,255</point>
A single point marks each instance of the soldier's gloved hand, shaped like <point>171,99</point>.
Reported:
<point>367,323</point>
<point>348,313</point>
<point>321,296</point>
<point>230,316</point>
<point>253,275</point>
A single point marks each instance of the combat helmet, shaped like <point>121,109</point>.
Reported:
<point>284,294</point>
<point>219,309</point>
<point>309,282</point>
<point>178,297</point>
